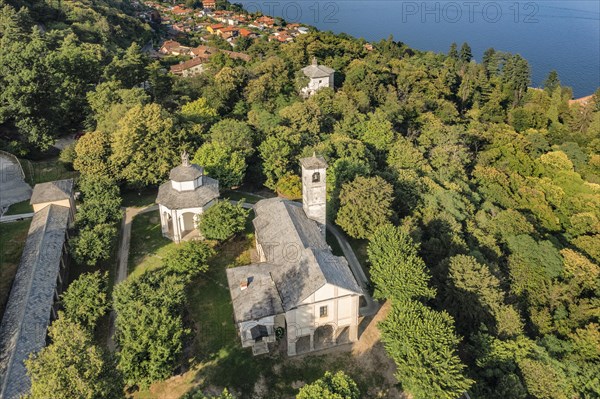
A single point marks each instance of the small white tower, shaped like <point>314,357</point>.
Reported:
<point>314,190</point>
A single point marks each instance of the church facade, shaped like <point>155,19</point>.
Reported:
<point>299,290</point>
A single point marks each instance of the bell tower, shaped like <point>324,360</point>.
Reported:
<point>314,190</point>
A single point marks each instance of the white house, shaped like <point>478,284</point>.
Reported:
<point>319,76</point>
<point>188,193</point>
<point>189,68</point>
<point>299,289</point>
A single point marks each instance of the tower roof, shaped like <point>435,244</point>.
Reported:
<point>314,162</point>
<point>314,70</point>
<point>186,171</point>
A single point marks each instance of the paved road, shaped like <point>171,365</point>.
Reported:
<point>123,256</point>
<point>13,188</point>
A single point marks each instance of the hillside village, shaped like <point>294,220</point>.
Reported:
<point>198,202</point>
<point>229,25</point>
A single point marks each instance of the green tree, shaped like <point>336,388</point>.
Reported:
<point>465,53</point>
<point>234,135</point>
<point>422,343</point>
<point>365,205</point>
<point>453,52</point>
<point>490,62</point>
<point>93,244</point>
<point>276,154</point>
<point>110,101</point>
<point>198,111</point>
<point>516,77</point>
<point>160,82</point>
<point>475,296</point>
<point>149,326</point>
<point>101,202</point>
<point>67,155</point>
<point>129,68</point>
<point>144,146</point>
<point>397,270</point>
<point>188,259</point>
<point>228,167</point>
<point>223,220</point>
<point>290,186</point>
<point>377,131</point>
<point>552,81</point>
<point>330,386</point>
<point>85,300</point>
<point>542,380</point>
<point>72,366</point>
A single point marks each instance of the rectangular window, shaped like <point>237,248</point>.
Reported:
<point>323,311</point>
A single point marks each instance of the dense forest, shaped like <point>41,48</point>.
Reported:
<point>479,195</point>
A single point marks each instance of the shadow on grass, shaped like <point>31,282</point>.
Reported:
<point>147,245</point>
<point>139,198</point>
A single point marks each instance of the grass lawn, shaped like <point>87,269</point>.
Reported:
<point>139,198</point>
<point>19,208</point>
<point>12,241</point>
<point>236,196</point>
<point>45,171</point>
<point>147,244</point>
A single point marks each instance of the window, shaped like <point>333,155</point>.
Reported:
<point>316,177</point>
<point>323,311</point>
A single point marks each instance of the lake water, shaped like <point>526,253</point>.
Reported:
<point>561,35</point>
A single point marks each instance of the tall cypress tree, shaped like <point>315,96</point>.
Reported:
<point>465,53</point>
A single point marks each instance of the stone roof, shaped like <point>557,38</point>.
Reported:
<point>317,71</point>
<point>294,243</point>
<point>188,172</point>
<point>185,65</point>
<point>27,314</point>
<point>282,224</point>
<point>52,191</point>
<point>313,162</point>
<point>202,195</point>
<point>260,298</point>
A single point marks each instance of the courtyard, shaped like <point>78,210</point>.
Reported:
<point>214,358</point>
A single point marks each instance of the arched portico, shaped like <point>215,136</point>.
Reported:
<point>187,194</point>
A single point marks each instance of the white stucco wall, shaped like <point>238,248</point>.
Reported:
<point>315,84</point>
<point>193,71</point>
<point>177,216</point>
<point>314,195</point>
<point>342,311</point>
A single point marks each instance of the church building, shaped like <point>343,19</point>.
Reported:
<point>319,76</point>
<point>188,193</point>
<point>299,291</point>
